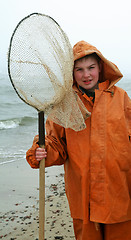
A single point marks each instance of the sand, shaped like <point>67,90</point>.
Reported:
<point>19,203</point>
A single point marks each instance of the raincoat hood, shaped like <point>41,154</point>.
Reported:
<point>109,70</point>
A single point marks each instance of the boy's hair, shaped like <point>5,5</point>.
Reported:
<point>90,55</point>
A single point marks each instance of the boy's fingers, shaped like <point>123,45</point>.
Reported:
<point>40,154</point>
<point>40,150</point>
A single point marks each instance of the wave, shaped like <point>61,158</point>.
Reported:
<point>9,157</point>
<point>10,161</point>
<point>16,122</point>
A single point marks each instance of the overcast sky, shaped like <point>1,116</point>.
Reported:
<point>103,23</point>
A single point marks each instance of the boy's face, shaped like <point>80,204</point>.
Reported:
<point>86,73</point>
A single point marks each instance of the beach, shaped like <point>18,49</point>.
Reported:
<point>19,203</point>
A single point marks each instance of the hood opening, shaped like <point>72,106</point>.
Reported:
<point>109,71</point>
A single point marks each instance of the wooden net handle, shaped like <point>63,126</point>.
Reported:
<point>41,179</point>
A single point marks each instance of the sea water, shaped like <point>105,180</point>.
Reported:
<point>19,121</point>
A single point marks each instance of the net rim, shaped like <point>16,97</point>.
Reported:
<point>10,48</point>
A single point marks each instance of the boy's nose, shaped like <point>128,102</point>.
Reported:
<point>86,73</point>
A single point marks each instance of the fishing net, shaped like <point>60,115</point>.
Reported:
<point>40,66</point>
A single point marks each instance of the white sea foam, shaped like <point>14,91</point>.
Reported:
<point>14,123</point>
<point>2,163</point>
<point>6,124</point>
<point>11,156</point>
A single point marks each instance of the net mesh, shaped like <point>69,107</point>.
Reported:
<point>40,65</point>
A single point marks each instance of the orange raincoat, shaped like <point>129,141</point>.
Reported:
<point>97,160</point>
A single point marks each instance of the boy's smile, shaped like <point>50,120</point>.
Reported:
<point>86,73</point>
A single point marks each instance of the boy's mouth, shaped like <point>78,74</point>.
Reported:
<point>87,81</point>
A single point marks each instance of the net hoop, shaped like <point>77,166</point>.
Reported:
<point>40,58</point>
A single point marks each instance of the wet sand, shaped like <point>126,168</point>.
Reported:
<point>19,203</point>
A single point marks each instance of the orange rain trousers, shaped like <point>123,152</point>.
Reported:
<point>117,231</point>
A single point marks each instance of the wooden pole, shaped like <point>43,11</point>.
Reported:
<point>41,179</point>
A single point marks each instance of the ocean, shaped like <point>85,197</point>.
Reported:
<point>19,122</point>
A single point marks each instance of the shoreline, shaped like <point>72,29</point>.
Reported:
<point>19,203</point>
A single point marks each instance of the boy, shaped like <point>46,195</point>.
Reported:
<point>97,160</point>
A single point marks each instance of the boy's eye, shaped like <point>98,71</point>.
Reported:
<point>92,67</point>
<point>79,69</point>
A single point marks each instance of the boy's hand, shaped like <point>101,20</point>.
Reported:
<point>40,154</point>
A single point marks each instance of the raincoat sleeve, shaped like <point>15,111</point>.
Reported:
<point>128,114</point>
<point>30,154</point>
<point>55,145</point>
<point>128,119</point>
